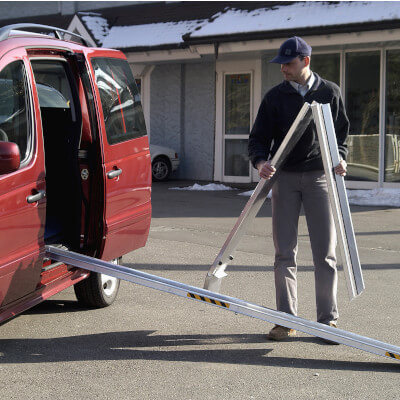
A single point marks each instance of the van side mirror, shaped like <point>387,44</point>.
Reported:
<point>10,158</point>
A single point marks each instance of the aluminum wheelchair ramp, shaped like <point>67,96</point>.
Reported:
<point>228,303</point>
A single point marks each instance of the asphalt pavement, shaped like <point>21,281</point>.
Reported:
<point>153,345</point>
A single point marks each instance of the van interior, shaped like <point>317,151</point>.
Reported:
<point>62,124</point>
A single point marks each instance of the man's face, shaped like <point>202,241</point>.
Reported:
<point>293,70</point>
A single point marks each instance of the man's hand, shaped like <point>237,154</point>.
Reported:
<point>265,169</point>
<point>341,168</point>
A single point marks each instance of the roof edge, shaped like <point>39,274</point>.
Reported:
<point>172,46</point>
<point>321,30</point>
<point>78,24</point>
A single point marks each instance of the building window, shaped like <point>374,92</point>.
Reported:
<point>236,159</point>
<point>237,124</point>
<point>327,66</point>
<point>392,117</point>
<point>237,104</point>
<point>362,105</point>
<point>139,85</point>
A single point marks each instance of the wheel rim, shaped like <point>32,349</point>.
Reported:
<point>160,169</point>
<point>109,283</point>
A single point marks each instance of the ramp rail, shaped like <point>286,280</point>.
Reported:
<point>225,302</point>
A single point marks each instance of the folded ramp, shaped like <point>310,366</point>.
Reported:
<point>338,199</point>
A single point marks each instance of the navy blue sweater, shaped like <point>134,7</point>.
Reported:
<point>276,114</point>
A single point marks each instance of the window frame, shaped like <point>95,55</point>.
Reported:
<point>239,71</point>
<point>354,184</point>
<point>382,107</point>
<point>378,182</point>
<point>341,66</point>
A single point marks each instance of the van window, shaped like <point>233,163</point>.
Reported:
<point>54,89</point>
<point>50,97</point>
<point>14,110</point>
<point>120,100</point>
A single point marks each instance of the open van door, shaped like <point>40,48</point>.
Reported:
<point>22,186</point>
<point>126,157</point>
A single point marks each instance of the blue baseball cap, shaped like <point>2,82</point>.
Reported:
<point>290,49</point>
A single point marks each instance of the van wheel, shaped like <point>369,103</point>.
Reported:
<point>98,290</point>
<point>161,169</point>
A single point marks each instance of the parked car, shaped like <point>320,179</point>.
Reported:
<point>75,168</point>
<point>163,162</point>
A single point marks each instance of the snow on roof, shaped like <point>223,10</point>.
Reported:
<point>231,21</point>
<point>149,34</point>
<point>299,15</point>
<point>97,25</point>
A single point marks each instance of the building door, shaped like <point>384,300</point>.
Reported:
<point>238,97</point>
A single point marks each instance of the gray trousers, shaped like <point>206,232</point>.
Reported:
<point>290,191</point>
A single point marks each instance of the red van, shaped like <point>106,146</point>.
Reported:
<point>75,167</point>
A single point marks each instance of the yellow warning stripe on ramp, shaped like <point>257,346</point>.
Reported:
<point>392,355</point>
<point>207,300</point>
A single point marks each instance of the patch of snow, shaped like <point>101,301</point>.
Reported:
<point>97,25</point>
<point>149,34</point>
<point>89,13</point>
<point>209,187</point>
<point>299,15</point>
<point>372,197</point>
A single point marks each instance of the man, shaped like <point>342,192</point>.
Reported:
<point>301,180</point>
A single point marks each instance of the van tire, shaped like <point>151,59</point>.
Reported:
<point>98,290</point>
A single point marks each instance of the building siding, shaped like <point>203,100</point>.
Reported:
<point>182,115</point>
<point>165,106</point>
<point>199,121</point>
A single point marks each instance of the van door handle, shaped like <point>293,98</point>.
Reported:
<point>114,173</point>
<point>41,194</point>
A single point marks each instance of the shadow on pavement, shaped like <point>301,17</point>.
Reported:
<point>241,268</point>
<point>132,345</point>
<point>56,306</point>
